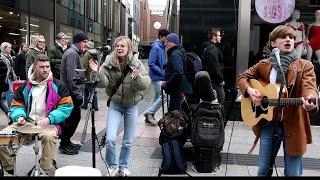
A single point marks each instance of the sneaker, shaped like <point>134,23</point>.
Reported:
<point>68,149</point>
<point>124,172</point>
<point>112,172</point>
<point>152,119</point>
<point>146,120</point>
<point>8,173</point>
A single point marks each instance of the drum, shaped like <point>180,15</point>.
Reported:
<point>9,138</point>
<point>77,171</point>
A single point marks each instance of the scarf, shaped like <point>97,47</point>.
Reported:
<point>285,60</point>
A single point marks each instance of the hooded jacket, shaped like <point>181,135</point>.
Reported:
<point>175,76</point>
<point>130,91</point>
<point>58,101</point>
<point>157,61</point>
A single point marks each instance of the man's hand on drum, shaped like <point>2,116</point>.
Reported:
<point>44,122</point>
<point>21,121</point>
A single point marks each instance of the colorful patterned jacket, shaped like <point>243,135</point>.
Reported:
<point>58,107</point>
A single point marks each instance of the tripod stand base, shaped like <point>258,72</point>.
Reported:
<point>40,171</point>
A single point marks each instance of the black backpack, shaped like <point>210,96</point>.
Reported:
<point>193,65</point>
<point>208,126</point>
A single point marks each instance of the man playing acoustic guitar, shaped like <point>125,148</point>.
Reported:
<point>289,124</point>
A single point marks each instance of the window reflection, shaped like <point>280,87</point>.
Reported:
<point>13,27</point>
<point>39,26</point>
<point>75,5</point>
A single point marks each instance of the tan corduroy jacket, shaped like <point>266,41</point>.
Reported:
<point>301,82</point>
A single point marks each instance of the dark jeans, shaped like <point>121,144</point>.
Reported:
<point>220,92</point>
<point>269,147</point>
<point>71,123</point>
<point>86,99</point>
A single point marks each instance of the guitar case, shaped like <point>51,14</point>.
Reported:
<point>207,131</point>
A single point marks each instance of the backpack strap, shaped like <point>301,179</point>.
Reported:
<point>119,82</point>
<point>178,157</point>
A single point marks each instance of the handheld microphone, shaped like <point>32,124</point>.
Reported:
<point>104,48</point>
<point>276,52</point>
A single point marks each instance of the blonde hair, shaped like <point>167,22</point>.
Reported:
<point>126,39</point>
<point>34,40</point>
<point>3,46</point>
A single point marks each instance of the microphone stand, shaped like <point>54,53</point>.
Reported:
<point>276,135</point>
<point>93,85</point>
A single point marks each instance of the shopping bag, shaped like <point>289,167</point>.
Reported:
<point>16,84</point>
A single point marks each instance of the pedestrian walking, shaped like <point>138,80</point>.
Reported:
<point>157,62</point>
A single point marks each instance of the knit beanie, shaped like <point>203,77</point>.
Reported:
<point>79,37</point>
<point>173,37</point>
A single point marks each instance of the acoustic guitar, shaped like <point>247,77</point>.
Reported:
<point>252,114</point>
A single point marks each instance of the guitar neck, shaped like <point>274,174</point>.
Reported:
<point>288,102</point>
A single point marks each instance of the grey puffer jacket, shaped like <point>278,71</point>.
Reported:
<point>131,90</point>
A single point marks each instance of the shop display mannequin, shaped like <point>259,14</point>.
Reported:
<point>314,36</point>
<point>300,42</point>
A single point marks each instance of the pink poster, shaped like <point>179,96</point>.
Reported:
<point>274,11</point>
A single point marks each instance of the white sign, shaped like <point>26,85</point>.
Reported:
<point>157,25</point>
<point>274,11</point>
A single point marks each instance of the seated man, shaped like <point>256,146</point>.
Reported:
<point>42,100</point>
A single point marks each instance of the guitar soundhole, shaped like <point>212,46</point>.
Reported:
<point>264,102</point>
<point>260,111</point>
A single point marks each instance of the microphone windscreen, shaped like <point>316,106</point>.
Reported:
<point>275,50</point>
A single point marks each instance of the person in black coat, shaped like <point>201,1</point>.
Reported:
<point>20,63</point>
<point>176,83</point>
<point>212,62</point>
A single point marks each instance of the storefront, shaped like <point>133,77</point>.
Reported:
<point>244,32</point>
<point>17,25</point>
<point>262,24</point>
<point>21,19</point>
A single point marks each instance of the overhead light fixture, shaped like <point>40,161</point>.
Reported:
<point>0,26</point>
<point>14,34</point>
<point>23,29</point>
<point>1,17</point>
<point>33,25</point>
<point>11,12</point>
<point>34,19</point>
